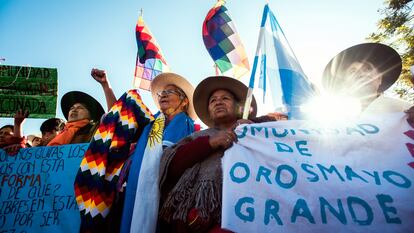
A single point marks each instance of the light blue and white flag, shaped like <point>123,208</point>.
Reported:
<point>287,83</point>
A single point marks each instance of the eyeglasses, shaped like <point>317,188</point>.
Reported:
<point>168,93</point>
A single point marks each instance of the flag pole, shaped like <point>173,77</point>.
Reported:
<point>216,69</point>
<point>249,96</point>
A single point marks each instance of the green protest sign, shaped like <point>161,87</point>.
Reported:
<point>28,88</point>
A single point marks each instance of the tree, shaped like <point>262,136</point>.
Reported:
<point>396,29</point>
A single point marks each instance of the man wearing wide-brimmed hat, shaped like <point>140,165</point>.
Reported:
<point>191,173</point>
<point>83,114</point>
<point>365,71</point>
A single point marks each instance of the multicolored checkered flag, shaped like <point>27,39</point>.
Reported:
<point>223,43</point>
<point>150,61</point>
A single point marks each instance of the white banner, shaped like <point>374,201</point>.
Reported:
<point>296,176</point>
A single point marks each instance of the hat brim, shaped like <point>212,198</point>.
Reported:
<point>31,137</point>
<point>384,58</point>
<point>206,87</point>
<point>162,80</point>
<point>94,107</point>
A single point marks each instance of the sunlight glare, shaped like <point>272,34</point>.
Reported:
<point>329,109</point>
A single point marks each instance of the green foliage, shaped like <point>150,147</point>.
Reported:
<point>396,29</point>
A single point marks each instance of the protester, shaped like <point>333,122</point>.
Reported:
<point>190,171</point>
<point>50,128</point>
<point>365,71</point>
<point>83,114</point>
<point>11,137</point>
<point>6,134</point>
<point>9,142</point>
<point>173,97</point>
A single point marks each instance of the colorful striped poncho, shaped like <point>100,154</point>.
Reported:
<point>96,180</point>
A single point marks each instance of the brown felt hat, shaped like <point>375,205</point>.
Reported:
<point>206,87</point>
<point>384,58</point>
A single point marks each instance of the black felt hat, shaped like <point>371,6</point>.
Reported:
<point>384,58</point>
<point>94,107</point>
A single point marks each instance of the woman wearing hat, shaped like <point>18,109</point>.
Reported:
<point>83,114</point>
<point>191,172</point>
<point>173,96</point>
<point>365,71</point>
<point>128,120</point>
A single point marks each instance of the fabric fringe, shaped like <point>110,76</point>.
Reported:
<point>199,187</point>
<point>180,200</point>
<point>204,195</point>
<point>208,200</point>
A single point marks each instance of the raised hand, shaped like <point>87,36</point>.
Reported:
<point>99,76</point>
<point>20,117</point>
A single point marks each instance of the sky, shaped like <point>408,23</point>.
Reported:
<point>76,36</point>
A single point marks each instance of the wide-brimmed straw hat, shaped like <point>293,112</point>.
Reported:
<point>94,107</point>
<point>206,87</point>
<point>164,79</point>
<point>32,137</point>
<point>384,58</point>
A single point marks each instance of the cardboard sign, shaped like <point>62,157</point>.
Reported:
<point>36,189</point>
<point>28,88</point>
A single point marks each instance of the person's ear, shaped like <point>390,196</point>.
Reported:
<point>184,104</point>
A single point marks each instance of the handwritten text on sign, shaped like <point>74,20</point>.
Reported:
<point>289,176</point>
<point>30,88</point>
<point>36,189</point>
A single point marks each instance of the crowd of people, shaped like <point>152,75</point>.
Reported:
<point>163,173</point>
